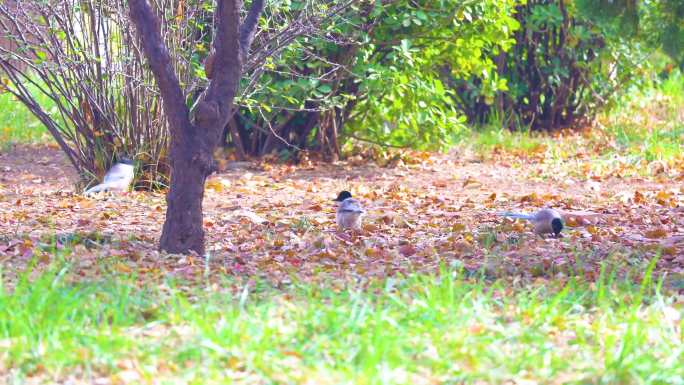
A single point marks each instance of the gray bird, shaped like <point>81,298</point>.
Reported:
<point>118,178</point>
<point>545,221</point>
<point>349,211</point>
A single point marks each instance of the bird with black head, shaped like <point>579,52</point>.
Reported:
<point>545,221</point>
<point>349,211</point>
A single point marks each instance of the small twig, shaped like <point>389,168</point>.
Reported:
<point>275,134</point>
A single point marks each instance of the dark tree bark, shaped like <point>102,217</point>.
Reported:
<point>195,135</point>
<point>236,138</point>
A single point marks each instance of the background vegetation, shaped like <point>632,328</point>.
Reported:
<point>418,74</point>
<point>489,77</point>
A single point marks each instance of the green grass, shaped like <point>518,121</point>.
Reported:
<point>650,124</point>
<point>421,329</point>
<point>18,125</point>
<point>489,138</point>
<point>646,125</point>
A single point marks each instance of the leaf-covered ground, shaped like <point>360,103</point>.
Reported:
<point>424,210</point>
<point>283,298</point>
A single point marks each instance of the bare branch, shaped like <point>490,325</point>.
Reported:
<point>226,46</point>
<point>306,25</point>
<point>248,27</point>
<point>147,24</point>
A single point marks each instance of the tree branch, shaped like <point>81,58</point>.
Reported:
<point>147,25</point>
<point>248,28</point>
<point>227,66</point>
<point>295,29</point>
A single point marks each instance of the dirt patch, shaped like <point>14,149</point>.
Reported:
<point>278,222</point>
<point>37,165</point>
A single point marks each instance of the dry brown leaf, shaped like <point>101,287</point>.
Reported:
<point>458,227</point>
<point>470,181</point>
<point>638,197</point>
<point>656,233</point>
<point>579,218</point>
<point>214,184</point>
<point>252,216</point>
<point>407,250</point>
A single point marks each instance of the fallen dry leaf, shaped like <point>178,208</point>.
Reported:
<point>656,233</point>
<point>277,220</point>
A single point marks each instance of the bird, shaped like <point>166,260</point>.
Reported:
<point>545,221</point>
<point>118,178</point>
<point>349,211</point>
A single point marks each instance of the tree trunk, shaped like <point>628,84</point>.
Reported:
<point>193,140</point>
<point>236,138</point>
<point>183,228</point>
<point>196,134</point>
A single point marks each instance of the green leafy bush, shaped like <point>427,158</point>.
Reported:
<point>404,99</point>
<point>375,75</point>
<point>571,58</point>
<point>563,67</point>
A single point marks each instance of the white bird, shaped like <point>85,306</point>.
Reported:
<point>545,221</point>
<point>349,211</point>
<point>118,178</point>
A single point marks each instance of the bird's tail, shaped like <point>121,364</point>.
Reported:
<point>517,215</point>
<point>97,188</point>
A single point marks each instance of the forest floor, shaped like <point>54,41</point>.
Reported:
<point>436,288</point>
<point>424,210</point>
